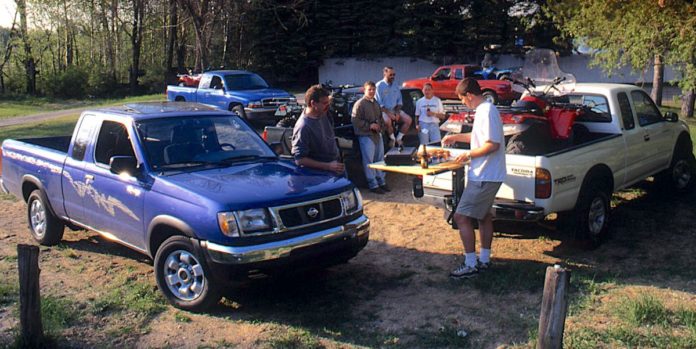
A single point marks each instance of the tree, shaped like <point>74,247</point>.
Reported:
<point>683,56</point>
<point>620,32</point>
<point>28,58</point>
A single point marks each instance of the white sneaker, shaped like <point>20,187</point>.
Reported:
<point>463,272</point>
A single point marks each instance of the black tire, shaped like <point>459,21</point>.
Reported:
<point>288,122</point>
<point>516,145</point>
<point>490,96</point>
<point>45,227</point>
<point>680,176</point>
<point>184,277</point>
<point>592,213</point>
<point>239,110</point>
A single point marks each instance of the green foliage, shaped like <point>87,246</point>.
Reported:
<point>71,83</point>
<point>289,338</point>
<point>132,295</point>
<point>57,314</point>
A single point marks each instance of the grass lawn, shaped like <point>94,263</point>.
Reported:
<point>55,127</point>
<point>13,107</point>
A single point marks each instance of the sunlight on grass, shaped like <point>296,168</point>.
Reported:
<point>14,107</point>
<point>57,127</point>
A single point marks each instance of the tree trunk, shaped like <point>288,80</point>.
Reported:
<point>108,42</point>
<point>29,63</point>
<point>136,42</point>
<point>687,106</point>
<point>658,80</point>
<point>173,23</point>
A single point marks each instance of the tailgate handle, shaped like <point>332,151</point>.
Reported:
<point>646,137</point>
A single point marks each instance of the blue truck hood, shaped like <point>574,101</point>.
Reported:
<point>253,185</point>
<point>257,95</point>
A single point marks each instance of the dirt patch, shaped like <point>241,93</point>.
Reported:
<point>396,292</point>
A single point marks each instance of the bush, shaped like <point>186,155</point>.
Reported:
<point>72,83</point>
<point>154,79</point>
<point>102,84</point>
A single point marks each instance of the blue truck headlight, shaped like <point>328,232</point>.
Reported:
<point>228,224</point>
<point>255,104</point>
<point>255,220</point>
<point>351,200</point>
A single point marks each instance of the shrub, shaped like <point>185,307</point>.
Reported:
<point>71,83</point>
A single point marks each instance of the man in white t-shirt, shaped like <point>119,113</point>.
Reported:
<point>485,175</point>
<point>429,111</point>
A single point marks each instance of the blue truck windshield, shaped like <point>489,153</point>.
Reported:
<point>192,141</point>
<point>244,82</point>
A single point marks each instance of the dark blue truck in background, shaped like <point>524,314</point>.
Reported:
<point>243,92</point>
<point>192,187</point>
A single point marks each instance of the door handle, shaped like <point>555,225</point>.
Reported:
<point>89,178</point>
<point>646,137</point>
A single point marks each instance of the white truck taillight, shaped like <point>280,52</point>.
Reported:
<point>542,183</point>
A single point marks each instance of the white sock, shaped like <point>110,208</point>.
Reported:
<point>485,255</point>
<point>400,136</point>
<point>470,259</point>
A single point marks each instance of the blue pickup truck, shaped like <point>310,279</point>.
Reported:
<point>194,188</point>
<point>240,91</point>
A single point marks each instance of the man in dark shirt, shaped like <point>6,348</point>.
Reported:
<point>313,138</point>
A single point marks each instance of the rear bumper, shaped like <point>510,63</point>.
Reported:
<point>517,211</point>
<point>343,240</point>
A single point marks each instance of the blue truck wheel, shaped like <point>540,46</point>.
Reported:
<point>45,227</point>
<point>183,276</point>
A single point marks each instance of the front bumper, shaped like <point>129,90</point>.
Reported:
<point>266,115</point>
<point>351,236</point>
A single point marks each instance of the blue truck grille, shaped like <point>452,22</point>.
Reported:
<point>311,213</point>
<point>274,102</point>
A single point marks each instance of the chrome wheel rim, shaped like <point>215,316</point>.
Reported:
<point>681,174</point>
<point>597,216</point>
<point>37,214</point>
<point>184,275</point>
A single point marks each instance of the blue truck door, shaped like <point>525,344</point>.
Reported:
<point>116,205</point>
<point>211,91</point>
<point>73,176</point>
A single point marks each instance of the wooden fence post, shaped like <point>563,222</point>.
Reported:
<point>29,295</point>
<point>554,305</point>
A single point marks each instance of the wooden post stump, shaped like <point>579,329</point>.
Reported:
<point>554,305</point>
<point>29,295</point>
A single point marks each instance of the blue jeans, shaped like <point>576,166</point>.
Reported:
<point>432,135</point>
<point>372,152</point>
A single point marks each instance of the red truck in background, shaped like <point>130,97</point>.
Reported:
<point>446,78</point>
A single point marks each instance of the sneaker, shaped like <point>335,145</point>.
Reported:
<point>483,266</point>
<point>385,188</point>
<point>377,190</point>
<point>463,272</point>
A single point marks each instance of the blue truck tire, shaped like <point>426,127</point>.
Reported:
<point>45,227</point>
<point>183,276</point>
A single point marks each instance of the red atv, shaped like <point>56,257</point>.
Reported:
<point>543,120</point>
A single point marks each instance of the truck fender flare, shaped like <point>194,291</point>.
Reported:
<point>29,181</point>
<point>683,140</point>
<point>597,171</point>
<point>164,226</point>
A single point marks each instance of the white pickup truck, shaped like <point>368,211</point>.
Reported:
<point>629,142</point>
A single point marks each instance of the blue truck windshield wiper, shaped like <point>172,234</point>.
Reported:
<point>243,158</point>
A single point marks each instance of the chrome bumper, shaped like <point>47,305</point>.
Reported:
<point>513,211</point>
<point>280,249</point>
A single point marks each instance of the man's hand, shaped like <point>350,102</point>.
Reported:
<point>393,116</point>
<point>448,140</point>
<point>374,127</point>
<point>335,166</point>
<point>462,158</point>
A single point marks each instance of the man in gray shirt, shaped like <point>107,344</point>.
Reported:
<point>313,138</point>
<point>368,125</point>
